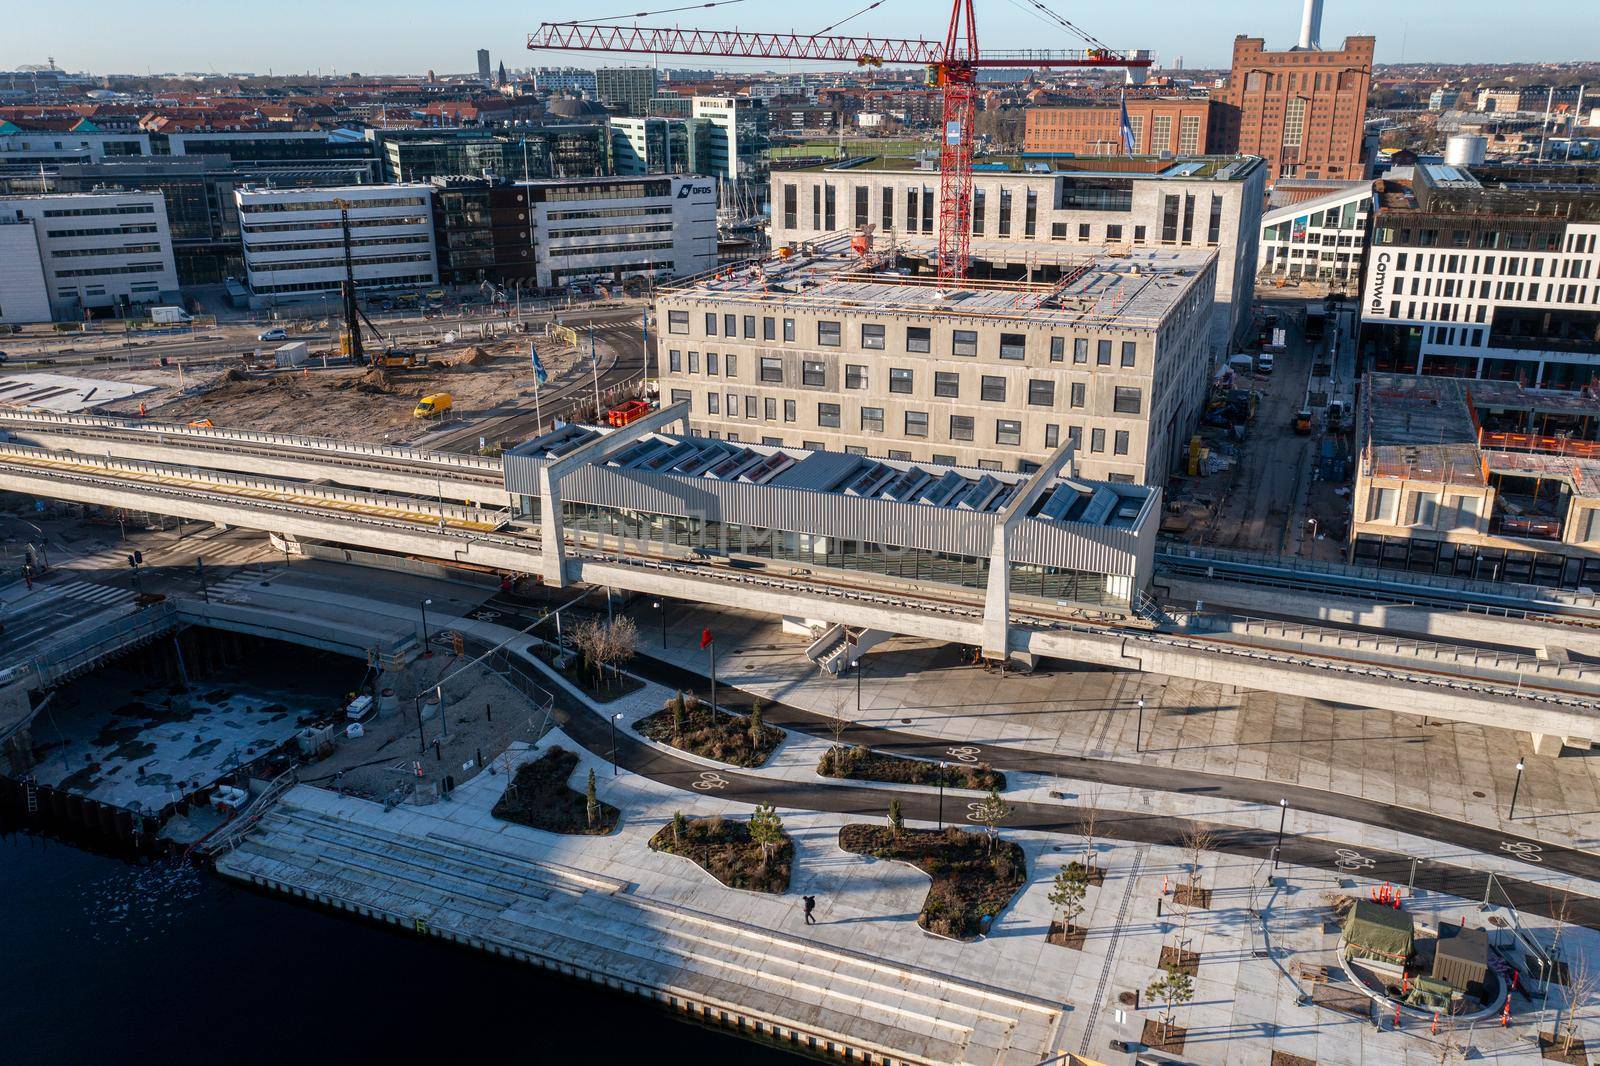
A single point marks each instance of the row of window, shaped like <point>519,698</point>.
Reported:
<point>914,424</point>
<point>608,212</point>
<point>611,231</point>
<point>127,249</point>
<point>107,231</point>
<point>916,339</point>
<point>392,281</point>
<point>94,272</point>
<point>331,262</point>
<point>609,249</point>
<point>120,209</point>
<point>334,224</point>
<point>280,206</point>
<point>336,243</point>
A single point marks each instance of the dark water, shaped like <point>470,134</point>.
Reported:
<point>104,961</point>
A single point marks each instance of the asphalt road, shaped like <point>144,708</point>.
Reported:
<point>592,731</point>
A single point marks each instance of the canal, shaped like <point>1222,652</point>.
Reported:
<point>152,963</point>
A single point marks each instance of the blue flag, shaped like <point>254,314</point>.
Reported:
<point>540,374</point>
<point>1127,128</point>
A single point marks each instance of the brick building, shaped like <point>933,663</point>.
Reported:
<point>1179,125</point>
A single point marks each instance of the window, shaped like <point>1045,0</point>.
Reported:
<point>789,414</point>
<point>863,205</point>
<point>788,329</point>
<point>872,337</point>
<point>946,384</point>
<point>1130,353</point>
<point>901,454</point>
<point>888,208</point>
<point>1120,442</point>
<point>992,389</point>
<point>1080,349</point>
<point>750,327</point>
<point>1041,393</point>
<point>1102,353</point>
<point>1084,231</point>
<point>1188,217</point>
<point>828,415</point>
<point>711,363</point>
<point>694,362</point>
<point>919,339</point>
<point>1097,440</point>
<point>813,375</point>
<point>1127,401</point>
<point>713,403</point>
<point>730,325</point>
<point>677,322</point>
<point>947,460</point>
<point>872,420</point>
<point>733,405</point>
<point>830,208</point>
<point>730,365</point>
<point>1058,349</point>
<point>674,361</point>
<point>1013,346</point>
<point>961,429</point>
<point>683,396</point>
<point>916,423</point>
<point>964,342</point>
<point>769,409</point>
<point>1030,214</point>
<point>1052,437</point>
<point>1113,233</point>
<point>1169,220</point>
<point>855,377</point>
<point>828,334</point>
<point>769,328</point>
<point>1138,235</point>
<point>772,369</point>
<point>977,212</point>
<point>900,381</point>
<point>711,324</point>
<point>1005,212</point>
<point>1007,431</point>
<point>1214,224</point>
<point>791,207</point>
<point>1078,391</point>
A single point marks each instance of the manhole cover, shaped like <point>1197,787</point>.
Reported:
<point>905,721</point>
<point>1477,795</point>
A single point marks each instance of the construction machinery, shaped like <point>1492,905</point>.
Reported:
<point>952,67</point>
<point>350,344</point>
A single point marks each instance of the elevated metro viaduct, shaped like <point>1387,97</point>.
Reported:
<point>843,540</point>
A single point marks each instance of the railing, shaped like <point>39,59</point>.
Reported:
<point>325,444</point>
<point>1527,442</point>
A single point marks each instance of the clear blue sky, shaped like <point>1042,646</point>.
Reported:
<point>405,36</point>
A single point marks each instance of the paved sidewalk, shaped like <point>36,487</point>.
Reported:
<point>1462,772</point>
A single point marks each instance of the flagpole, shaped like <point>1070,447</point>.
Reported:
<point>594,363</point>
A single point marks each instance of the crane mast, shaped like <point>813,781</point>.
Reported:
<point>952,68</point>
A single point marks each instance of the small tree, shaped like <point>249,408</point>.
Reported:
<point>678,716</point>
<point>766,829</point>
<point>1067,892</point>
<point>588,636</point>
<point>1583,982</point>
<point>755,723</point>
<point>619,643</point>
<point>1171,990</point>
<point>1088,823</point>
<point>680,827</point>
<point>593,804</point>
<point>991,811</point>
<point>896,820</point>
<point>1197,840</point>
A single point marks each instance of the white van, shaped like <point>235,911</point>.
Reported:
<point>1264,363</point>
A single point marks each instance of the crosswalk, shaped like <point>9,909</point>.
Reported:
<point>239,583</point>
<point>88,591</point>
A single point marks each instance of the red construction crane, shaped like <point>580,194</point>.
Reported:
<point>952,67</point>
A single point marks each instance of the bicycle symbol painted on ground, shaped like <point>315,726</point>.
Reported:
<point>710,781</point>
<point>1526,850</point>
<point>1346,859</point>
<point>964,753</point>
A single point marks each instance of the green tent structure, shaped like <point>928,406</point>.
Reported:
<point>1373,931</point>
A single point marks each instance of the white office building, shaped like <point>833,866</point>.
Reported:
<point>1028,218</point>
<point>549,80</point>
<point>605,229</point>
<point>294,241</point>
<point>1316,230</point>
<point>95,253</point>
<point>36,147</point>
<point>1486,272</point>
<point>740,148</point>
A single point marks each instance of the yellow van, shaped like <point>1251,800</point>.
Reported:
<point>433,406</point>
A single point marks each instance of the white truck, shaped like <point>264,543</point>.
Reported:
<point>170,316</point>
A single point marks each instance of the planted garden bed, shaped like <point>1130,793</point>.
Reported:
<point>726,851</point>
<point>1167,1038</point>
<point>539,797</point>
<point>1174,960</point>
<point>970,885</point>
<point>1066,936</point>
<point>689,725</point>
<point>601,685</point>
<point>1192,896</point>
<point>864,764</point>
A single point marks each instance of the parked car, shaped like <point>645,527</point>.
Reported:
<point>1264,362</point>
<point>3,358</point>
<point>276,333</point>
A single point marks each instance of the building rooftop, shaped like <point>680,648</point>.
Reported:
<point>1132,289</point>
<point>1054,164</point>
<point>1071,501</point>
<point>1565,192</point>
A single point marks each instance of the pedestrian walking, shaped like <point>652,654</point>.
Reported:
<point>810,905</point>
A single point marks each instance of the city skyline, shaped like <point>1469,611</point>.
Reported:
<point>1202,36</point>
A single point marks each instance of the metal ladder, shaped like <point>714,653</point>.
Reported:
<point>30,789</point>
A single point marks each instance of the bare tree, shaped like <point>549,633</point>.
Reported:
<point>588,636</point>
<point>991,811</point>
<point>1088,823</point>
<point>619,643</point>
<point>1197,840</point>
<point>1583,982</point>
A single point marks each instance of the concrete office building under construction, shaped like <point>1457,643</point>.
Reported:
<point>841,348</point>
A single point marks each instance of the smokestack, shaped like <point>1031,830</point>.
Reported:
<point>1311,25</point>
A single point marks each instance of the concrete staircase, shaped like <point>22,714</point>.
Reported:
<point>839,644</point>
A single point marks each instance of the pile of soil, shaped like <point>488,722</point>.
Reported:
<point>373,380</point>
<point>474,356</point>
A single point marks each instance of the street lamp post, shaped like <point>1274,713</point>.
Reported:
<point>856,666</point>
<point>1515,788</point>
<point>614,720</point>
<point>942,767</point>
<point>425,649</point>
<point>1138,734</point>
<point>663,611</point>
<point>1283,817</point>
